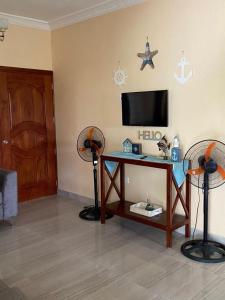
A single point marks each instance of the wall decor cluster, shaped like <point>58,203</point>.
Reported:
<point>181,78</point>
<point>147,56</point>
<point>119,76</point>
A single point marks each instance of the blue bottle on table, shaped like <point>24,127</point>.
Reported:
<point>176,151</point>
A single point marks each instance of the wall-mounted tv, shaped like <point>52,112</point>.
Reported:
<point>145,108</point>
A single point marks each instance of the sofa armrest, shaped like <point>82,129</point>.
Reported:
<point>9,190</point>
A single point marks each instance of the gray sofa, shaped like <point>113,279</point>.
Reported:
<point>8,194</point>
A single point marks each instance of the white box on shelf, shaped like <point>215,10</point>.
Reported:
<point>139,208</point>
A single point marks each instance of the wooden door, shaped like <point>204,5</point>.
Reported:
<point>27,130</point>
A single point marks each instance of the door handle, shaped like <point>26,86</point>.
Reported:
<point>5,142</point>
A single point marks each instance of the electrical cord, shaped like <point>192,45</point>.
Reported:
<point>196,218</point>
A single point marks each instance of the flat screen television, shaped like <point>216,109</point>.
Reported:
<point>145,108</point>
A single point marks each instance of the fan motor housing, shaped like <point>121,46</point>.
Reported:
<point>210,166</point>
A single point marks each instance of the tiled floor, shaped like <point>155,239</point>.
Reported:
<point>52,254</point>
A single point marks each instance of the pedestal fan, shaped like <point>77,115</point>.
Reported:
<point>207,172</point>
<point>90,146</point>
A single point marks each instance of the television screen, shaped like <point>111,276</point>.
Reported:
<point>145,108</point>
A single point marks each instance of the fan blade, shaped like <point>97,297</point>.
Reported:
<point>197,171</point>
<point>209,150</point>
<point>90,133</point>
<point>82,149</point>
<point>221,171</point>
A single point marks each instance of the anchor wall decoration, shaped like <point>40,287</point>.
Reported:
<point>182,64</point>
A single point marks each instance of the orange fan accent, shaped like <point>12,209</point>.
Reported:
<point>82,149</point>
<point>209,150</point>
<point>221,171</point>
<point>90,133</point>
<point>197,171</point>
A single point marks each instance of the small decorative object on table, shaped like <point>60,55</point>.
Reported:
<point>127,146</point>
<point>149,206</point>
<point>164,146</point>
<point>149,210</point>
<point>175,151</point>
<point>136,148</point>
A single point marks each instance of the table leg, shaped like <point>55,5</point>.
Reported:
<point>169,214</point>
<point>169,238</point>
<point>122,183</point>
<point>103,204</point>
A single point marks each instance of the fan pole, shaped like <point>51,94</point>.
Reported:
<point>91,142</point>
<point>95,188</point>
<point>206,195</point>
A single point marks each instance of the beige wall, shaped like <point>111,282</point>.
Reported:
<point>26,48</point>
<point>84,57</point>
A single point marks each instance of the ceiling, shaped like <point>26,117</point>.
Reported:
<point>59,13</point>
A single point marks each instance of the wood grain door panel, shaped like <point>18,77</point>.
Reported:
<point>29,132</point>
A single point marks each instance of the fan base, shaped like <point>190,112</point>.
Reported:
<point>204,251</point>
<point>93,214</point>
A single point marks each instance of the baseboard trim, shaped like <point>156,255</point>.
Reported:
<point>181,230</point>
<point>74,196</point>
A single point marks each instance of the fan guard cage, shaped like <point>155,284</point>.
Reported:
<point>97,135</point>
<point>218,155</point>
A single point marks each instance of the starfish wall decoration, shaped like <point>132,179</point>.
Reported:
<point>147,56</point>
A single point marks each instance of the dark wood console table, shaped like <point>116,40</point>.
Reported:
<point>168,220</point>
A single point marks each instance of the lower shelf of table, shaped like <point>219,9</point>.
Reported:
<point>122,209</point>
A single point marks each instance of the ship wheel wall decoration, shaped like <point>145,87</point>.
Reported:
<point>119,76</point>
